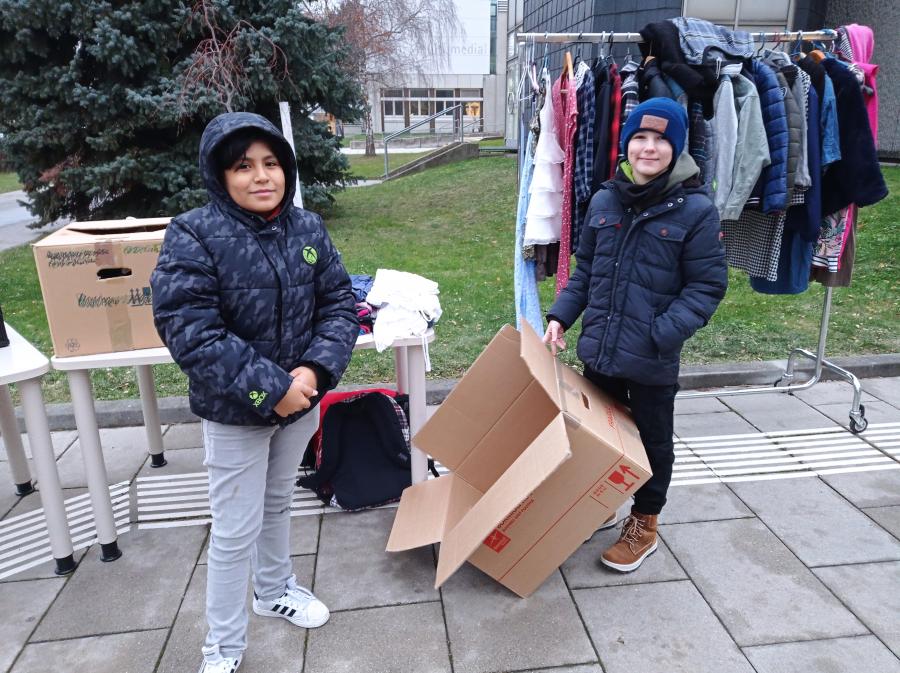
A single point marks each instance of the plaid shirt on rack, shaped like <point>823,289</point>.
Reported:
<point>697,37</point>
<point>630,90</point>
<point>584,147</point>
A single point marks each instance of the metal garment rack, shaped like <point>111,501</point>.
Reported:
<point>858,422</point>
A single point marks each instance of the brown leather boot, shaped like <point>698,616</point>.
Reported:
<point>636,542</point>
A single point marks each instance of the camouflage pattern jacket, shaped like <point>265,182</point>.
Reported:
<point>241,301</point>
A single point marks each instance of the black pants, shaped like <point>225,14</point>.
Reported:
<point>653,410</point>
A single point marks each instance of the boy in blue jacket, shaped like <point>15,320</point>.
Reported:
<point>255,306</point>
<point>650,272</point>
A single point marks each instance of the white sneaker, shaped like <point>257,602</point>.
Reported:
<point>298,605</point>
<point>214,662</point>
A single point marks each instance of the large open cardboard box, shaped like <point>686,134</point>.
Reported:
<point>539,458</point>
<point>95,278</point>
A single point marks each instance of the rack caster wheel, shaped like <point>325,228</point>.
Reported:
<point>858,427</point>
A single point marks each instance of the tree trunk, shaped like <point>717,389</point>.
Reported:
<point>370,132</point>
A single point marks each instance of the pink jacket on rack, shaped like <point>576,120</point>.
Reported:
<point>862,41</point>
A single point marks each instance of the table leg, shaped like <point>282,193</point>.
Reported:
<point>15,452</point>
<point>47,475</point>
<point>94,467</point>
<point>150,407</point>
<point>415,371</point>
<point>401,369</point>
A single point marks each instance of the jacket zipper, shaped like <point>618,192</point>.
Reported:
<point>278,307</point>
<point>612,292</point>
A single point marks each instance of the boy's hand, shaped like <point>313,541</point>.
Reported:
<point>296,398</point>
<point>308,376</point>
<point>554,336</point>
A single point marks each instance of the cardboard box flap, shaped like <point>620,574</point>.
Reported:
<point>77,233</point>
<point>536,463</point>
<point>428,509</point>
<point>469,412</point>
<point>540,362</point>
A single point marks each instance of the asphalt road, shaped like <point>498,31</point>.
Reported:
<point>14,221</point>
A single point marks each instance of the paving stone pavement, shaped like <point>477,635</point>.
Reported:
<point>782,557</point>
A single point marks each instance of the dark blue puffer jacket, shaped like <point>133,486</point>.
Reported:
<point>241,301</point>
<point>772,187</point>
<point>644,288</point>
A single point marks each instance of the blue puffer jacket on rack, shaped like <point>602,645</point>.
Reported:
<point>772,187</point>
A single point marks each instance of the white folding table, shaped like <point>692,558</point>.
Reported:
<point>22,364</point>
<point>409,368</point>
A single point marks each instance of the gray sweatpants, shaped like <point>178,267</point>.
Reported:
<point>252,471</point>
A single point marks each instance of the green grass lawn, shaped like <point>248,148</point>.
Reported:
<point>454,224</point>
<point>9,182</point>
<point>369,168</point>
<point>493,142</point>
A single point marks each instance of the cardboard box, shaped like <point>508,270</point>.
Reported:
<point>539,458</point>
<point>95,278</point>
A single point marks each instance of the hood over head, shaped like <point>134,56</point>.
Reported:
<point>228,123</point>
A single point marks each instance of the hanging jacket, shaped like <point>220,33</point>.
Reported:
<point>795,128</point>
<point>772,187</point>
<point>857,177</point>
<point>862,41</point>
<point>702,42</point>
<point>240,301</point>
<point>795,104</point>
<point>645,281</point>
<point>602,120</point>
<point>751,147</point>
<point>725,128</point>
<point>651,80</point>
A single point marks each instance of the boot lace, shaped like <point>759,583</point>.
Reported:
<point>632,530</point>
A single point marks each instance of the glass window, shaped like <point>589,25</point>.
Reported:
<point>392,93</point>
<point>470,93</point>
<point>771,11</point>
<point>443,93</point>
<point>717,11</point>
<point>418,93</point>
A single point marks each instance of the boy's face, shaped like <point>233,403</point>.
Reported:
<point>649,154</point>
<point>256,181</point>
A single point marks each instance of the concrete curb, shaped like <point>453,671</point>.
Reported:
<point>122,413</point>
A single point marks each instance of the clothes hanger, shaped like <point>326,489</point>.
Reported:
<point>609,60</point>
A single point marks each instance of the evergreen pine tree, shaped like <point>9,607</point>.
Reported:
<point>102,103</point>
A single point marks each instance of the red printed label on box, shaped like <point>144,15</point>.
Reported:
<point>497,541</point>
<point>623,479</point>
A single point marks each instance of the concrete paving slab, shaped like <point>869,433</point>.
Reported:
<point>702,502</point>
<point>887,517</point>
<point>700,405</point>
<point>754,583</point>
<point>703,425</point>
<point>778,412</point>
<point>885,389</point>
<point>61,441</point>
<point>132,652</point>
<point>273,645</point>
<point>584,570</point>
<point>587,668</point>
<point>30,503</point>
<point>180,462</point>
<point>8,497</point>
<point>22,604</point>
<point>657,628</point>
<point>816,523</point>
<point>352,546</point>
<point>879,488</point>
<point>823,656</point>
<point>124,452</point>
<point>492,629</point>
<point>831,392</point>
<point>870,591</point>
<point>876,412</point>
<point>183,436</point>
<point>156,563</point>
<point>399,639</point>
<point>304,537</point>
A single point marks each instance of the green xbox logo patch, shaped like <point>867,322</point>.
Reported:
<point>310,255</point>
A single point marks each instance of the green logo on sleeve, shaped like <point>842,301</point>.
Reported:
<point>310,255</point>
<point>257,397</point>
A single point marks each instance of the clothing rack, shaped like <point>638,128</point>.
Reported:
<point>858,422</point>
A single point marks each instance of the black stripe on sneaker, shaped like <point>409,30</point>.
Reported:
<point>291,613</point>
<point>284,608</point>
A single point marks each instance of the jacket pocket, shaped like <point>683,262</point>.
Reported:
<point>607,225</point>
<point>662,243</point>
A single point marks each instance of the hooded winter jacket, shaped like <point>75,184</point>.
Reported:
<point>240,300</point>
<point>646,281</point>
<point>773,187</point>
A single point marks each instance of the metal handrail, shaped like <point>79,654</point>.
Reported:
<point>387,139</point>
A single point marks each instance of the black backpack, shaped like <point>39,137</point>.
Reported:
<point>364,460</point>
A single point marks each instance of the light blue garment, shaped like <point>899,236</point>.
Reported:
<point>528,304</point>
<point>831,141</point>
